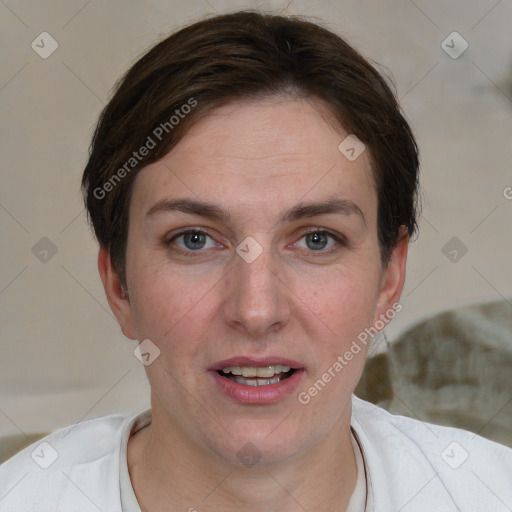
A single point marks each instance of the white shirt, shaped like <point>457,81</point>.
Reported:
<point>410,466</point>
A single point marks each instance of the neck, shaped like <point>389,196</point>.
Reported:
<point>170,472</point>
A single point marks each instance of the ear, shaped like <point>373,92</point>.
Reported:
<point>393,276</point>
<point>116,294</point>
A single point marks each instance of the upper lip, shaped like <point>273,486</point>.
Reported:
<point>255,362</point>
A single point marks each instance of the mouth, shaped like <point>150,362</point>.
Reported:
<point>249,380</point>
<point>257,375</point>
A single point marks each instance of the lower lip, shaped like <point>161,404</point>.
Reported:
<point>268,394</point>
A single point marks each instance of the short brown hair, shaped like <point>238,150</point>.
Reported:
<point>241,55</point>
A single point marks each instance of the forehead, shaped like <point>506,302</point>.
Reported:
<point>253,152</point>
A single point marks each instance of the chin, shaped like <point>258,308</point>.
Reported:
<point>259,443</point>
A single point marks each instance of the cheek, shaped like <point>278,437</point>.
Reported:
<point>335,317</point>
<point>173,308</point>
<point>154,305</point>
<point>342,302</point>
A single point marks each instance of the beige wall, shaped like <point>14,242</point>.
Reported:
<point>63,356</point>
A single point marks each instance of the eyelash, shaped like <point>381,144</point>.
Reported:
<point>340,241</point>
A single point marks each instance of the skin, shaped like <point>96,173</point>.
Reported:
<point>254,159</point>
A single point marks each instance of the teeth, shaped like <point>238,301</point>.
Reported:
<point>255,382</point>
<point>252,371</point>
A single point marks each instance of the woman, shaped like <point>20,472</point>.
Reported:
<point>252,185</point>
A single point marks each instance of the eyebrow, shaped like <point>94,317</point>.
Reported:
<point>302,210</point>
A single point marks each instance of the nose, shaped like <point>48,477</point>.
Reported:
<point>257,298</point>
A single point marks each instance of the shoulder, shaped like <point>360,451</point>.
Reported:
<point>76,467</point>
<point>417,465</point>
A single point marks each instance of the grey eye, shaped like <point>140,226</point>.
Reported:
<point>193,241</point>
<point>316,241</point>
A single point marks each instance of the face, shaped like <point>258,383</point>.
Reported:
<point>253,243</point>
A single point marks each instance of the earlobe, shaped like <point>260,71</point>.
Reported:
<point>117,296</point>
<point>393,277</point>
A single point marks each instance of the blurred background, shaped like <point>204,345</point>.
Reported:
<point>64,358</point>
